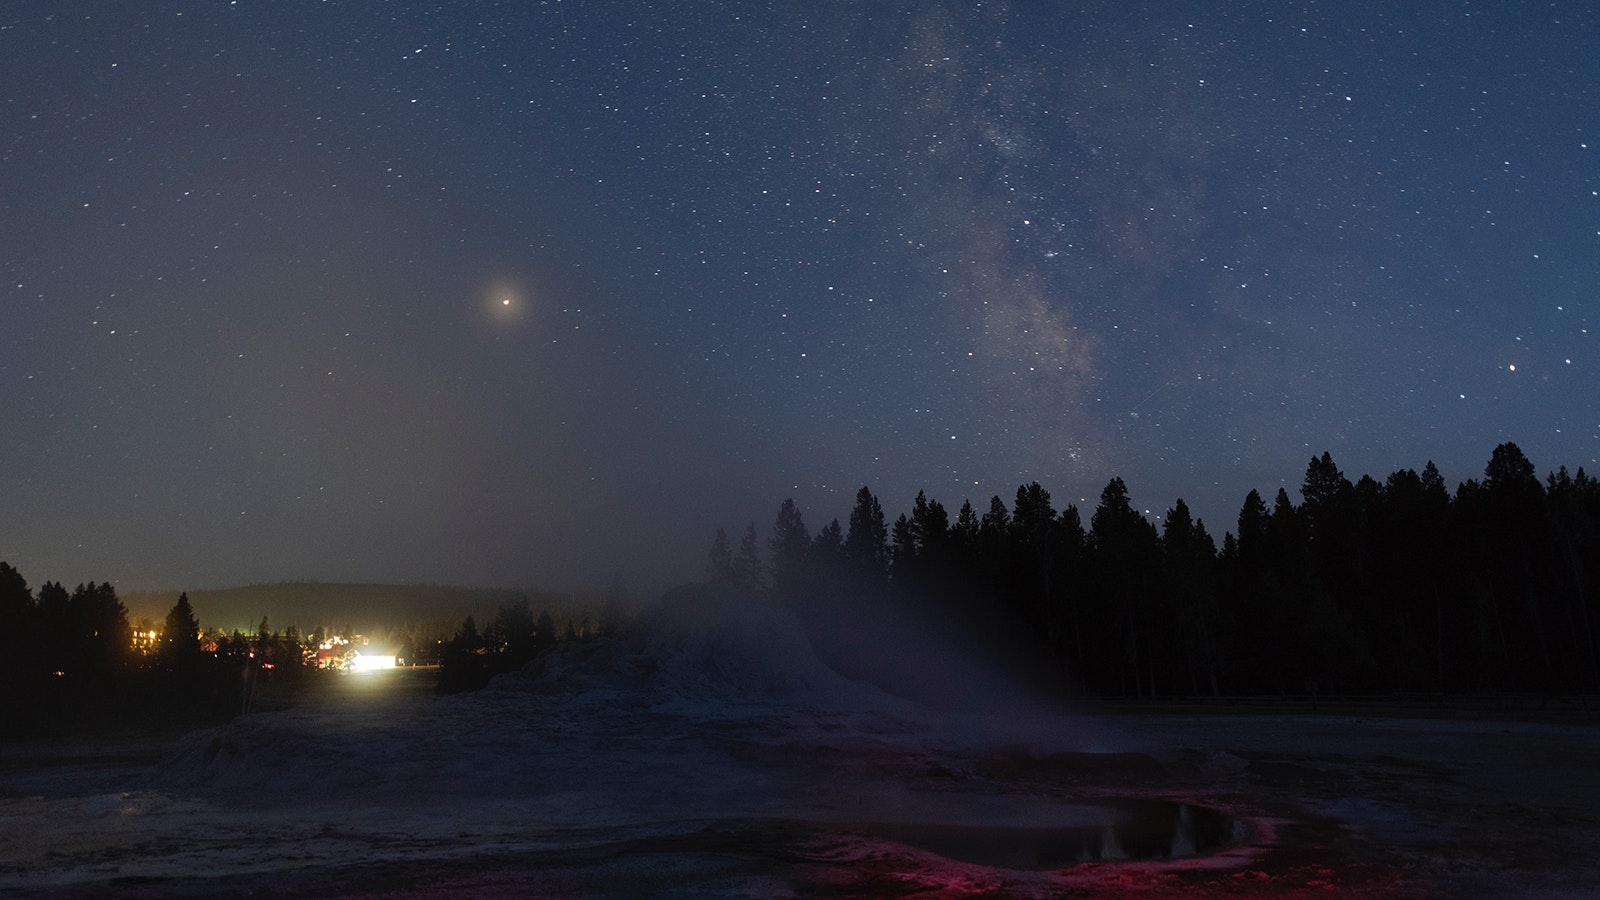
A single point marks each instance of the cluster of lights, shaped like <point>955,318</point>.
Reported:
<point>353,660</point>
<point>145,641</point>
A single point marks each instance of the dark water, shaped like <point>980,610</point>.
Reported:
<point>1118,830</point>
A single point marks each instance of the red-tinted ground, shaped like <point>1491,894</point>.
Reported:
<point>712,759</point>
<point>1326,806</point>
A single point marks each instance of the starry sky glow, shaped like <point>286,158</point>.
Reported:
<point>538,293</point>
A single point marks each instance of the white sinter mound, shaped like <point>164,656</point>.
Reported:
<point>671,707</point>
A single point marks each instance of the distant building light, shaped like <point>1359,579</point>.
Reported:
<point>363,663</point>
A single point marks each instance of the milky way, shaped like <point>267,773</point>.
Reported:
<point>256,258</point>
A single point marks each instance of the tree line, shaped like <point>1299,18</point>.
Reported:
<point>1361,587</point>
<point>516,635</point>
<point>513,638</point>
<point>70,661</point>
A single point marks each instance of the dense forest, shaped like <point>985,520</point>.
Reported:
<point>70,661</point>
<point>1361,587</point>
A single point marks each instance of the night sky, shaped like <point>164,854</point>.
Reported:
<point>536,294</point>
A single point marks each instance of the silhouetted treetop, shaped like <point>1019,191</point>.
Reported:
<point>748,577</point>
<point>180,635</point>
<point>866,544</point>
<point>1509,472</point>
<point>827,548</point>
<point>15,598</point>
<point>1033,517</point>
<point>930,525</point>
<point>787,549</point>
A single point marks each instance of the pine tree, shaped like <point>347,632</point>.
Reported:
<point>866,544</point>
<point>514,624</point>
<point>787,551</point>
<point>902,550</point>
<point>17,627</point>
<point>292,651</point>
<point>827,548</point>
<point>1328,514</point>
<point>1033,517</point>
<point>1189,561</point>
<point>467,637</point>
<point>825,567</point>
<point>180,636</point>
<point>930,527</point>
<point>994,544</point>
<point>1510,471</point>
<point>544,632</point>
<point>101,640</point>
<point>1033,556</point>
<point>1514,524</point>
<point>964,534</point>
<point>747,577</point>
<point>16,601</point>
<point>462,664</point>
<point>1324,486</point>
<point>1125,551</point>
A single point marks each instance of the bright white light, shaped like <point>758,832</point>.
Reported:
<point>362,663</point>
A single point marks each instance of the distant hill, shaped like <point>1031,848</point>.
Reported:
<point>368,608</point>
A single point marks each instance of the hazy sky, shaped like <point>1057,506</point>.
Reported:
<point>534,294</point>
